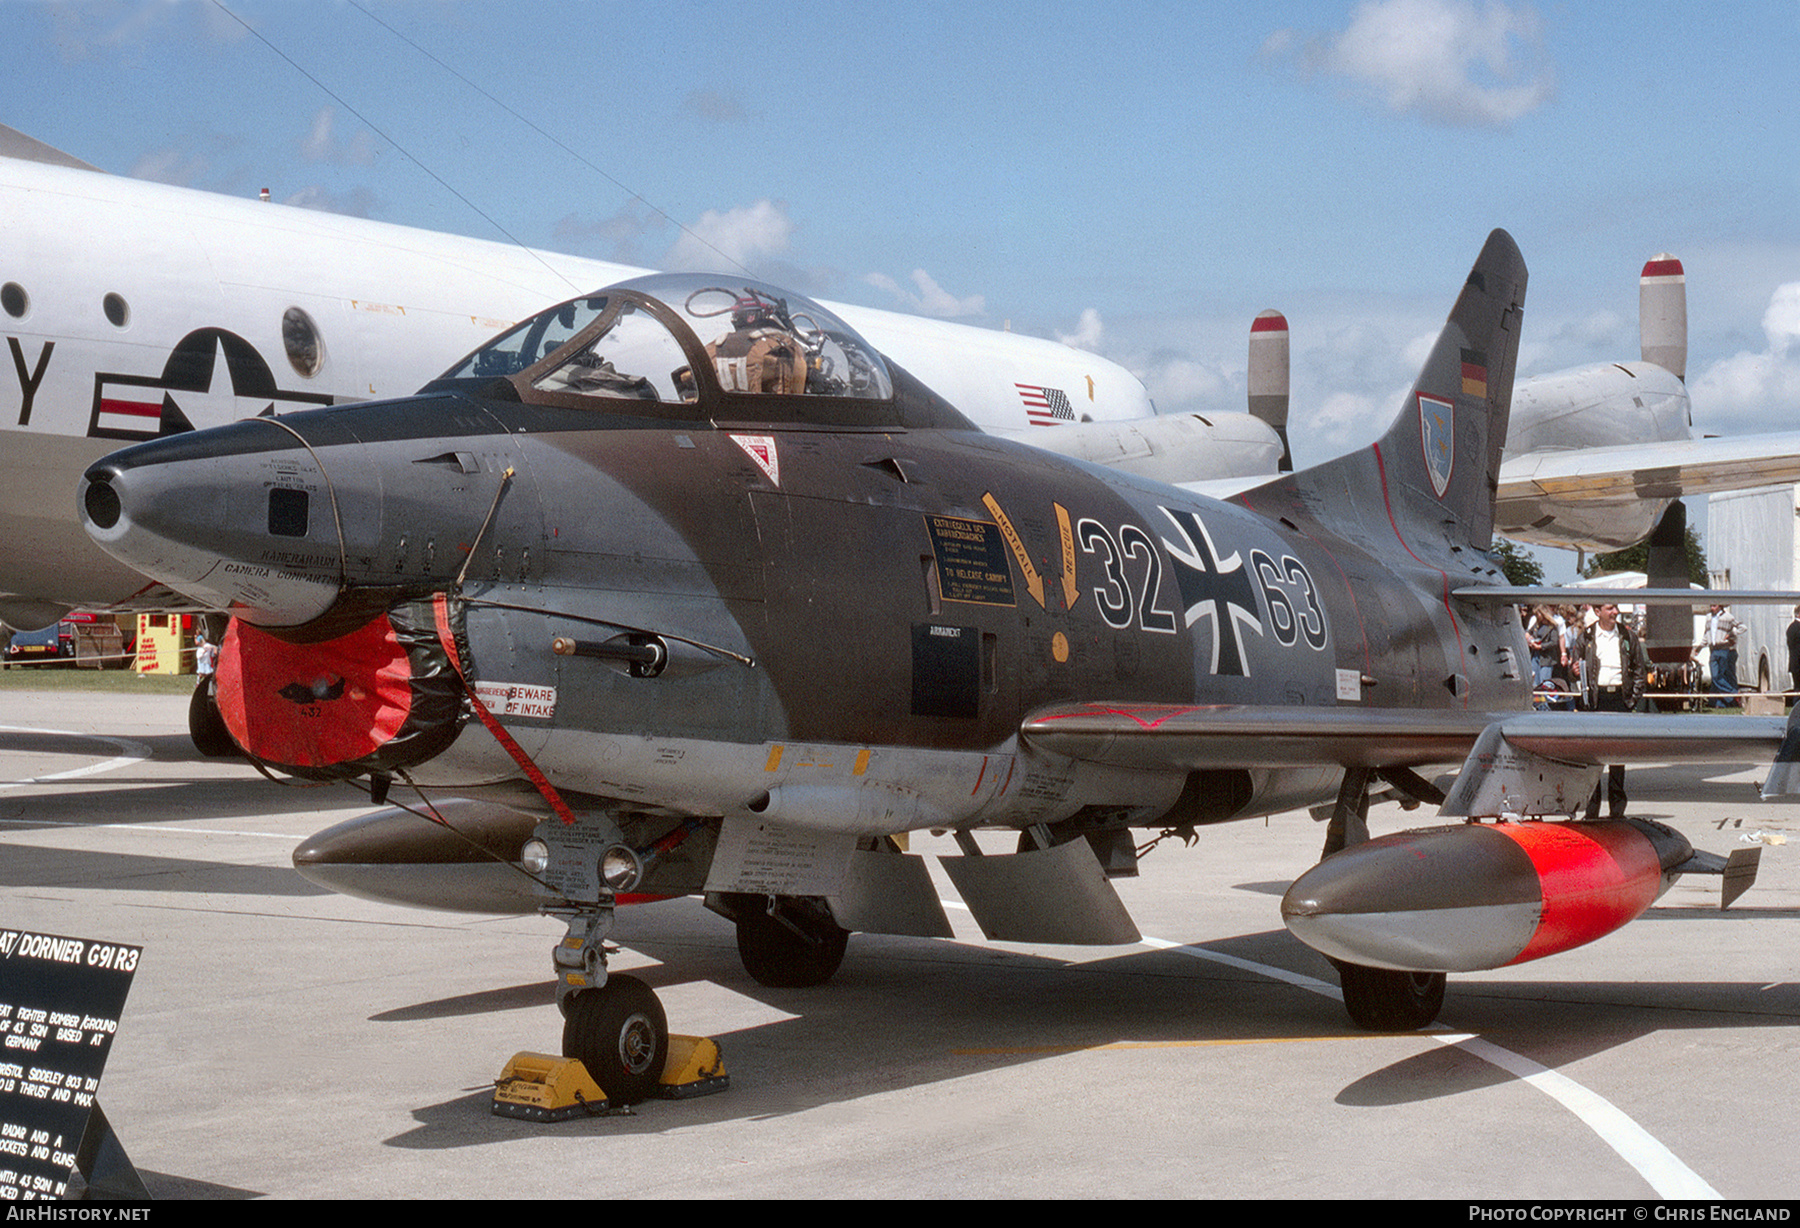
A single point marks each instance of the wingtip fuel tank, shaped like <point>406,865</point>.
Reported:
<point>1474,896</point>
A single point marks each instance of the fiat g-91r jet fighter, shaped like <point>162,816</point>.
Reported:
<point>680,587</point>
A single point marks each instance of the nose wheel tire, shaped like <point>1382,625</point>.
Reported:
<point>620,1034</point>
<point>1387,1000</point>
<point>205,726</point>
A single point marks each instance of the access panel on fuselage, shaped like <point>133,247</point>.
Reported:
<point>652,531</point>
<point>929,589</point>
<point>892,610</point>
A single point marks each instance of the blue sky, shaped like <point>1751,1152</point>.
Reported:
<point>1137,178</point>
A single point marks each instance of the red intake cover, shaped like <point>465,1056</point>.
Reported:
<point>378,698</point>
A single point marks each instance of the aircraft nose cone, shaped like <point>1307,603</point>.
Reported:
<point>239,518</point>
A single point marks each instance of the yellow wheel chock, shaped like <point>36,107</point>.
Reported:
<point>546,1087</point>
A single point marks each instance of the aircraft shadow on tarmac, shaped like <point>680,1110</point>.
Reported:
<point>1558,1024</point>
<point>163,747</point>
<point>28,867</point>
<point>904,1013</point>
<point>168,1186</point>
<point>127,796</point>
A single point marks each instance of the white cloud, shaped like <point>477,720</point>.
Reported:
<point>129,28</point>
<point>1350,383</point>
<point>1182,382</point>
<point>622,235</point>
<point>320,145</point>
<point>1416,351</point>
<point>1449,61</point>
<point>929,298</point>
<point>1087,332</point>
<point>1757,387</point>
<point>181,167</point>
<point>1782,320</point>
<point>739,237</point>
<point>1599,331</point>
<point>1344,420</point>
<point>197,160</point>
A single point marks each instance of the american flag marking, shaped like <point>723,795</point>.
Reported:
<point>1045,406</point>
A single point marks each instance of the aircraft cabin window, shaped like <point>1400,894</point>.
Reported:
<point>300,338</point>
<point>529,342</point>
<point>635,357</point>
<point>761,340</point>
<point>117,313</point>
<point>14,299</point>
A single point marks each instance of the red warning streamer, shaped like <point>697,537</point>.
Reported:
<point>440,608</point>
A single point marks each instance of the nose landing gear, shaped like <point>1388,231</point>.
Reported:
<point>620,1034</point>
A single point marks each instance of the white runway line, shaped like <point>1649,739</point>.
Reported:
<point>1667,1175</point>
<point>130,752</point>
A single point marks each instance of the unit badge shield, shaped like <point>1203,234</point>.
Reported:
<point>1437,433</point>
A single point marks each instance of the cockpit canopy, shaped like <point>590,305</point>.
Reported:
<point>700,341</point>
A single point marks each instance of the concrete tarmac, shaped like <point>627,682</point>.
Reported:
<point>281,1041</point>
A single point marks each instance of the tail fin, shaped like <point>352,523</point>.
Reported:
<point>1662,314</point>
<point>1437,468</point>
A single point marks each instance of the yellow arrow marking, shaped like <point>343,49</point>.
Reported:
<point>1034,583</point>
<point>1070,591</point>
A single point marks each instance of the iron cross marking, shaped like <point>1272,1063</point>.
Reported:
<point>1213,588</point>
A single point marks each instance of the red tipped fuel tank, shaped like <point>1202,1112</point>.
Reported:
<point>1457,899</point>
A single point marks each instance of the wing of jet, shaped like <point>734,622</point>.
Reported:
<point>1506,594</point>
<point>1233,736</point>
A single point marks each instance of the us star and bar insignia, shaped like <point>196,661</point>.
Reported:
<point>211,374</point>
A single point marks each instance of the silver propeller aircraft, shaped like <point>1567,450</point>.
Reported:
<point>682,587</point>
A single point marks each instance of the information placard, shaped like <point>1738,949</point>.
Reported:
<point>60,1000</point>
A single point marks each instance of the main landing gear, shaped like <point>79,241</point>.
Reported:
<point>1389,1000</point>
<point>1380,999</point>
<point>784,941</point>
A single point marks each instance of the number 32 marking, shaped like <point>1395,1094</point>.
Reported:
<point>1119,604</point>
